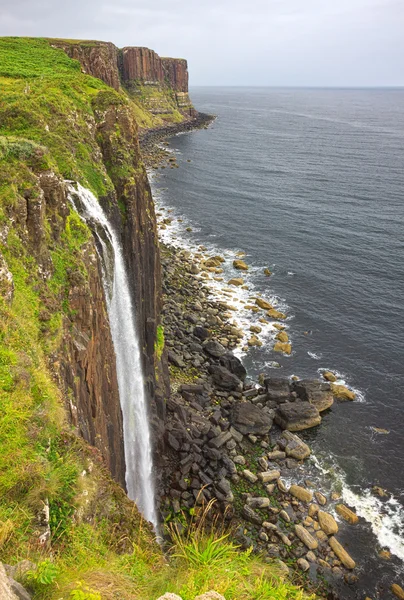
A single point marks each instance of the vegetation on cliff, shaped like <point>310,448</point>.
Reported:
<point>59,506</point>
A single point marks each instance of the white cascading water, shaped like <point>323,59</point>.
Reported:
<point>136,430</point>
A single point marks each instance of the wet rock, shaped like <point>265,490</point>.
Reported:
<point>254,341</point>
<point>295,447</point>
<point>240,265</point>
<point>276,314</point>
<point>236,281</point>
<point>341,553</point>
<point>250,419</point>
<point>297,416</point>
<point>321,499</point>
<point>224,379</point>
<point>255,329</point>
<point>316,392</point>
<point>305,537</point>
<point>214,261</point>
<point>329,376</point>
<point>282,336</point>
<point>313,510</point>
<point>263,304</point>
<point>327,523</point>
<point>214,348</point>
<point>398,591</point>
<point>347,514</point>
<point>282,486</point>
<point>301,493</point>
<point>284,347</point>
<point>342,392</point>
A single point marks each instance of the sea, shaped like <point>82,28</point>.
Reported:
<point>309,183</point>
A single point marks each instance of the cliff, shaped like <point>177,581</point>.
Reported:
<point>84,131</point>
<point>158,85</point>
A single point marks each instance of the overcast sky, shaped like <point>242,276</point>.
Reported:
<point>237,42</point>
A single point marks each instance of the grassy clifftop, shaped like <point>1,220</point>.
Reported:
<point>59,507</point>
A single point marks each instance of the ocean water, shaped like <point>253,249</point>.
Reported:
<point>310,183</point>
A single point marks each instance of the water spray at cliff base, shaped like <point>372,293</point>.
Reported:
<point>136,430</point>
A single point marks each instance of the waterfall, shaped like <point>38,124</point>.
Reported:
<point>136,430</point>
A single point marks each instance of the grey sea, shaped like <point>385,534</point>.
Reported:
<point>310,183</point>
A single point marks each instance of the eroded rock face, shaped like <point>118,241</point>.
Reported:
<point>142,64</point>
<point>99,59</point>
<point>176,73</point>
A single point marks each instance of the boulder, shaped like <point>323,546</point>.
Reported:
<point>214,261</point>
<point>347,514</point>
<point>327,523</point>
<point>276,314</point>
<point>169,596</point>
<point>267,272</point>
<point>278,390</point>
<point>316,392</point>
<point>284,347</point>
<point>260,502</point>
<point>282,336</point>
<point>250,515</point>
<point>305,537</point>
<point>267,476</point>
<point>303,564</point>
<point>249,418</point>
<point>175,360</point>
<point>296,416</point>
<point>341,553</point>
<point>201,332</point>
<point>295,447</point>
<point>301,493</point>
<point>398,591</point>
<point>236,281</point>
<point>251,477</point>
<point>6,592</point>
<point>214,348</point>
<point>234,365</point>
<point>254,341</point>
<point>342,392</point>
<point>255,328</point>
<point>224,379</point>
<point>240,265</point>
<point>329,376</point>
<point>263,304</point>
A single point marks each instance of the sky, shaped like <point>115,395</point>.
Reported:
<point>353,43</point>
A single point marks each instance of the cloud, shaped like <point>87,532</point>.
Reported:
<point>234,42</point>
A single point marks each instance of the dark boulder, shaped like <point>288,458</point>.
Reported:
<point>278,390</point>
<point>234,365</point>
<point>295,416</point>
<point>201,332</point>
<point>224,379</point>
<point>316,392</point>
<point>214,348</point>
<point>248,418</point>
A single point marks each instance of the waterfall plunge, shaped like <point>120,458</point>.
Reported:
<point>138,456</point>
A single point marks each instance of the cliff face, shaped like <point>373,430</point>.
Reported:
<point>99,59</point>
<point>93,139</point>
<point>142,64</point>
<point>160,85</point>
<point>176,73</point>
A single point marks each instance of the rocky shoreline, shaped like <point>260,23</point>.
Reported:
<point>234,440</point>
<point>149,138</point>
